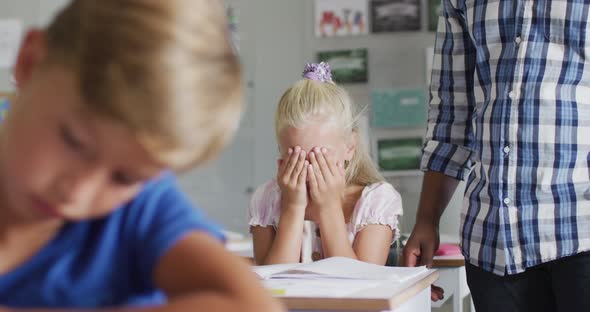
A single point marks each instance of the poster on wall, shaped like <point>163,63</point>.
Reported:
<point>348,66</point>
<point>398,108</point>
<point>341,18</point>
<point>434,11</point>
<point>399,154</point>
<point>395,15</point>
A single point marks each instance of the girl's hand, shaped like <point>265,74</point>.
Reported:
<point>291,179</point>
<point>326,181</point>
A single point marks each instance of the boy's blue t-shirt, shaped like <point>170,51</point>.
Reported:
<point>108,261</point>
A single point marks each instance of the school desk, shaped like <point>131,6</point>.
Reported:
<point>453,280</point>
<point>412,295</point>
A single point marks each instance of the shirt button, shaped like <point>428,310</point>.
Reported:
<point>518,40</point>
<point>506,149</point>
<point>512,95</point>
<point>507,201</point>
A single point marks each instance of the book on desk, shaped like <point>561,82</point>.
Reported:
<point>340,283</point>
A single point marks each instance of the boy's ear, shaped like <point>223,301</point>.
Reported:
<point>31,54</point>
<point>279,162</point>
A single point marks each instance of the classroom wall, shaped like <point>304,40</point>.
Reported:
<point>275,40</point>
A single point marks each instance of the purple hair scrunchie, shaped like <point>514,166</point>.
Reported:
<point>318,72</point>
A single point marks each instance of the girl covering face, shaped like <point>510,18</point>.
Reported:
<point>328,198</point>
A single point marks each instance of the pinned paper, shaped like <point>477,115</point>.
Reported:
<point>341,18</point>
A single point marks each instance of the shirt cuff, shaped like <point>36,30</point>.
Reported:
<point>450,159</point>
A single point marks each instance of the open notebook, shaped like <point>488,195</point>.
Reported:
<point>338,268</point>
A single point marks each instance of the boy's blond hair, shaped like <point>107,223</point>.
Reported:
<point>164,68</point>
<point>308,100</point>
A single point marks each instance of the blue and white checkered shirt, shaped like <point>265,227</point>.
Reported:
<point>510,112</point>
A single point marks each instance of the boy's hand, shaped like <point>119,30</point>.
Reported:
<point>419,250</point>
<point>291,179</point>
<point>421,245</point>
<point>326,181</point>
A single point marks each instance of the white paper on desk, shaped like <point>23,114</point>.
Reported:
<point>339,268</point>
<point>11,31</point>
<point>406,273</point>
<point>266,271</point>
<point>325,288</point>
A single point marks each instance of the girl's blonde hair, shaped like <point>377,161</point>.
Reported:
<point>164,68</point>
<point>306,101</point>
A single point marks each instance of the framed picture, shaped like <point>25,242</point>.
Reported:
<point>434,11</point>
<point>399,153</point>
<point>348,66</point>
<point>341,18</point>
<point>395,15</point>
